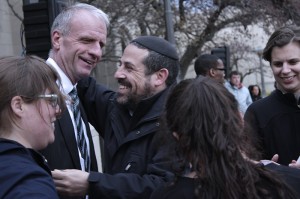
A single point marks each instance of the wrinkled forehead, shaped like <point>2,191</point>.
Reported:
<point>134,54</point>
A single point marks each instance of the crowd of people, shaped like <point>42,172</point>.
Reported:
<point>198,138</point>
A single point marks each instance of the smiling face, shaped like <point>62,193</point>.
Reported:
<point>38,123</point>
<point>78,52</point>
<point>134,85</point>
<point>285,64</point>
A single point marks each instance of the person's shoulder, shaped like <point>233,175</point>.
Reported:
<point>10,148</point>
<point>226,84</point>
<point>20,168</point>
<point>16,158</point>
<point>262,102</point>
<point>245,89</point>
<point>19,163</point>
<point>286,170</point>
<point>28,179</point>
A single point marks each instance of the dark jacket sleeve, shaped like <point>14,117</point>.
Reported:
<point>253,129</point>
<point>250,119</point>
<point>26,180</point>
<point>89,93</point>
<point>131,185</point>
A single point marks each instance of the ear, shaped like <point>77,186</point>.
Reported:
<point>211,72</point>
<point>161,76</point>
<point>56,40</point>
<point>17,105</point>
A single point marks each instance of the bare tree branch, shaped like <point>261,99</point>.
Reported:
<point>13,10</point>
<point>197,23</point>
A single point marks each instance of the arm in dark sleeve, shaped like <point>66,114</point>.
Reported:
<point>290,175</point>
<point>26,180</point>
<point>131,185</point>
<point>95,99</point>
<point>250,120</point>
<point>253,129</point>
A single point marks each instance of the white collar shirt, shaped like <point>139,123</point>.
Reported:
<point>66,87</point>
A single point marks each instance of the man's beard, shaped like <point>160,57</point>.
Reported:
<point>132,99</point>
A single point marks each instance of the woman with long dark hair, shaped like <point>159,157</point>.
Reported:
<point>217,158</point>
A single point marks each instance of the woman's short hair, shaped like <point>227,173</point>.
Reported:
<point>27,77</point>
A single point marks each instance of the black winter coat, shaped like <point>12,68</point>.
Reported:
<point>133,164</point>
<point>276,121</point>
<point>24,173</point>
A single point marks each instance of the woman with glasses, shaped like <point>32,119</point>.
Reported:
<point>30,102</point>
<point>203,118</point>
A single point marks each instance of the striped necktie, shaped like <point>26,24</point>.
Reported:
<point>81,142</point>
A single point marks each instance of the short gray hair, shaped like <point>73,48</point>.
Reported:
<point>62,21</point>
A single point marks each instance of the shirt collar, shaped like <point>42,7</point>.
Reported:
<point>66,83</point>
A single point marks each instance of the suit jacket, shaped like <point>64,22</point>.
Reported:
<point>63,152</point>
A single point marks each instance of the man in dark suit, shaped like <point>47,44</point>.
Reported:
<point>78,34</point>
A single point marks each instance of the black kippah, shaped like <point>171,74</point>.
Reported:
<point>158,45</point>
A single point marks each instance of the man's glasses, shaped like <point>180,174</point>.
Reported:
<point>52,98</point>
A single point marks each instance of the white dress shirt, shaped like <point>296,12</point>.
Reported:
<point>66,87</point>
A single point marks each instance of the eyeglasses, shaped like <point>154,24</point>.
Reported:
<point>52,98</point>
<point>221,69</point>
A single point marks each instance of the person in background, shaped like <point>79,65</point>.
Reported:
<point>211,66</point>
<point>275,118</point>
<point>240,92</point>
<point>78,35</point>
<point>255,92</point>
<point>30,102</point>
<point>217,158</point>
<point>128,121</point>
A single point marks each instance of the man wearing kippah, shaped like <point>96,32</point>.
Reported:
<point>128,119</point>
